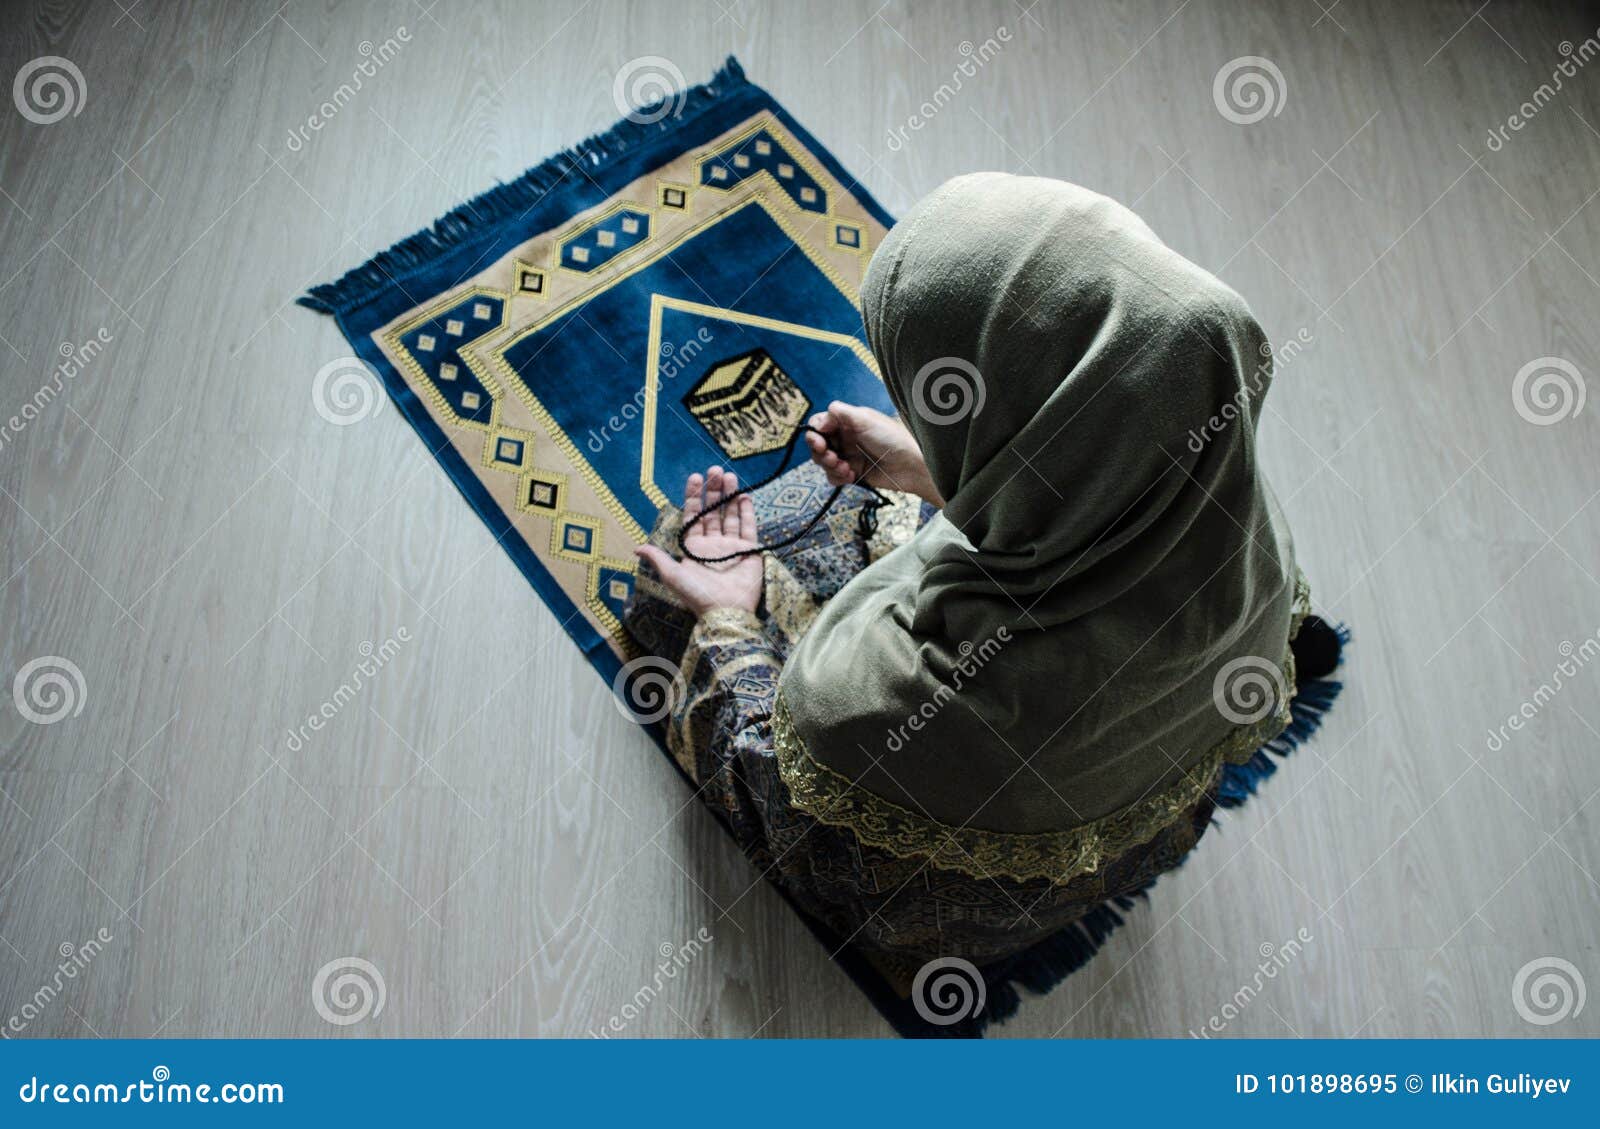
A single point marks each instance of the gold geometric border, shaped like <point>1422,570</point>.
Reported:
<point>601,612</point>
<point>688,195</point>
<point>859,248</point>
<point>797,152</point>
<point>558,528</point>
<point>560,242</point>
<point>519,267</point>
<point>491,450</point>
<point>421,379</point>
<point>525,489</point>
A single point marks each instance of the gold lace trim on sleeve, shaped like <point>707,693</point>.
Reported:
<point>1058,856</point>
<point>724,625</point>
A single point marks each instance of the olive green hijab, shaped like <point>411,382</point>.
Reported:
<point>1053,668</point>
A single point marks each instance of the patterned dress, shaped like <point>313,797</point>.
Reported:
<point>901,911</point>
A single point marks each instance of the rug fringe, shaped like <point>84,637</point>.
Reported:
<point>1042,967</point>
<point>1312,700</point>
<point>1052,960</point>
<point>480,216</point>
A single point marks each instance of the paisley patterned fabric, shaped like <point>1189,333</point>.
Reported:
<point>900,911</point>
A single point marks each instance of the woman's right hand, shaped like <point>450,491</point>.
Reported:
<point>864,446</point>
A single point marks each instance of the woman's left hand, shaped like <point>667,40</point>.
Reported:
<point>730,584</point>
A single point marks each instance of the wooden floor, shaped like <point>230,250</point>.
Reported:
<point>477,821</point>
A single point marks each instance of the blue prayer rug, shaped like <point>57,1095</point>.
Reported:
<point>676,292</point>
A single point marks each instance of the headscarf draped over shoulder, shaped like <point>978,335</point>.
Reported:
<point>1052,669</point>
